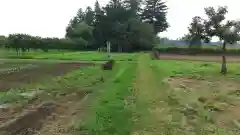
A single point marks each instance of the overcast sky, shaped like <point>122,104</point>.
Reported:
<point>49,18</point>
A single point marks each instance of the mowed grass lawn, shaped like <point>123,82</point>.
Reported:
<point>149,97</point>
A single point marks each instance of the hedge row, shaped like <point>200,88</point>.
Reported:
<point>197,51</point>
<point>26,42</point>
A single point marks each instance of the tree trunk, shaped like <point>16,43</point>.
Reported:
<point>224,62</point>
<point>119,48</point>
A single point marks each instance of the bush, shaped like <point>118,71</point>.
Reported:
<point>26,42</point>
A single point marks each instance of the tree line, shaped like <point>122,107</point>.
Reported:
<point>128,25</point>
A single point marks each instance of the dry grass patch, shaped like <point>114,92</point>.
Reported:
<point>195,84</point>
<point>215,102</point>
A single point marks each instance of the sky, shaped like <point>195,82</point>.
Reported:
<point>49,18</point>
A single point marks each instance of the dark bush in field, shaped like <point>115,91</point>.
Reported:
<point>197,51</point>
<point>108,65</point>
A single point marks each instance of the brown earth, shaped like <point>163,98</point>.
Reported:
<point>46,117</point>
<point>25,76</point>
<point>198,58</point>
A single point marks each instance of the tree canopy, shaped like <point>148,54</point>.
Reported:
<point>215,25</point>
<point>114,23</point>
<point>129,25</point>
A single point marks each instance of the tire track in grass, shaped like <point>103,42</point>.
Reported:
<point>151,115</point>
<point>110,114</point>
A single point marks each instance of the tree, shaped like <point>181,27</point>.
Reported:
<point>79,18</point>
<point>154,13</point>
<point>140,35</point>
<point>80,28</point>
<point>185,37</point>
<point>228,32</point>
<point>3,41</point>
<point>97,8</point>
<point>80,15</point>
<point>72,24</point>
<point>134,7</point>
<point>196,31</point>
<point>89,16</point>
<point>119,22</point>
<point>83,31</point>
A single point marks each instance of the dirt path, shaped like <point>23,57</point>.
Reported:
<point>25,76</point>
<point>198,58</point>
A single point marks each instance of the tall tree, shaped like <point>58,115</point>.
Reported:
<point>97,8</point>
<point>3,41</point>
<point>154,13</point>
<point>72,24</point>
<point>89,16</point>
<point>196,31</point>
<point>228,32</point>
<point>79,18</point>
<point>80,15</point>
<point>134,7</point>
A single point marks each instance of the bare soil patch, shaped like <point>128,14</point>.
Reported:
<point>228,116</point>
<point>198,58</point>
<point>25,76</point>
<point>28,120</point>
<point>45,117</point>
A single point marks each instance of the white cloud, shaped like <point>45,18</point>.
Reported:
<point>50,17</point>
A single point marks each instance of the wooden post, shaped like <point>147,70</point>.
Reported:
<point>108,48</point>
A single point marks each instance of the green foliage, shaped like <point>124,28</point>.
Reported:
<point>89,16</point>
<point>228,32</point>
<point>114,23</point>
<point>3,41</point>
<point>24,42</point>
<point>154,13</point>
<point>81,30</point>
<point>196,31</point>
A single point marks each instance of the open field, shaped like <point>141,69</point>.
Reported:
<point>56,55</point>
<point>139,96</point>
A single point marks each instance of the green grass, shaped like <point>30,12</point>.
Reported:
<point>111,110</point>
<point>80,56</point>
<point>175,109</point>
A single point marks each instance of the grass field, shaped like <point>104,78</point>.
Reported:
<point>139,96</point>
<point>56,55</point>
